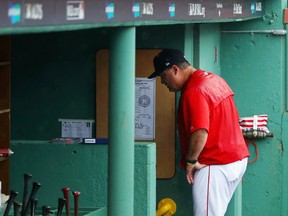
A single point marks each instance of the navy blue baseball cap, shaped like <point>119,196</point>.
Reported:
<point>165,59</point>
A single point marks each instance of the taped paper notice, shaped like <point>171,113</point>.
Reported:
<point>145,109</point>
<point>76,128</point>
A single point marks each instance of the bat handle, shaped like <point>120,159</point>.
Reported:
<point>61,203</point>
<point>17,206</point>
<point>66,197</point>
<point>46,210</point>
<point>27,177</point>
<point>13,194</point>
<point>33,206</point>
<point>76,195</point>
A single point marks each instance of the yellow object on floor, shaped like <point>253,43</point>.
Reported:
<point>166,207</point>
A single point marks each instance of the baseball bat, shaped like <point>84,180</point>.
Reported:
<point>35,187</point>
<point>27,177</point>
<point>10,201</point>
<point>76,195</point>
<point>16,206</point>
<point>33,206</point>
<point>50,212</point>
<point>66,197</point>
<point>61,203</point>
<point>46,210</point>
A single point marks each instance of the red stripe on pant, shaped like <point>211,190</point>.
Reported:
<point>208,187</point>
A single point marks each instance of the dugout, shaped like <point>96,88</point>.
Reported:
<point>52,67</point>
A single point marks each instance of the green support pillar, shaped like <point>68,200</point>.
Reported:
<point>121,122</point>
<point>238,200</point>
<point>189,42</point>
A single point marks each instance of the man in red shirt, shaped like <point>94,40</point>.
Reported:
<point>214,152</point>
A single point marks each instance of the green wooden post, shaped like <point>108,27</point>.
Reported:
<point>238,200</point>
<point>121,122</point>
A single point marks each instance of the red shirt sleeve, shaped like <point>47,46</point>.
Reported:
<point>195,111</point>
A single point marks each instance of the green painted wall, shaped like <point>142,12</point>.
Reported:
<point>209,47</point>
<point>80,167</point>
<point>53,76</point>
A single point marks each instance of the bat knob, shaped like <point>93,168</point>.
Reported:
<point>27,175</point>
<point>65,189</point>
<point>76,193</point>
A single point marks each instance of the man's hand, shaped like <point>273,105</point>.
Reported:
<point>190,170</point>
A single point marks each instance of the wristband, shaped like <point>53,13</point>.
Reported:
<point>191,162</point>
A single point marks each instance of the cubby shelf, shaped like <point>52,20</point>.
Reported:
<point>4,63</point>
<point>5,110</point>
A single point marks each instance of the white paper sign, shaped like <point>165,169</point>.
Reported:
<point>145,109</point>
<point>76,128</point>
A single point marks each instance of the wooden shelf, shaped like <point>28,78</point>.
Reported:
<point>4,63</point>
<point>3,158</point>
<point>4,111</point>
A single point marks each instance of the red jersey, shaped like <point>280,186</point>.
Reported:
<point>206,102</point>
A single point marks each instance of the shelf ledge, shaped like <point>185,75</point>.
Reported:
<point>4,111</point>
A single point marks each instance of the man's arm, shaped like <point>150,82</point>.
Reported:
<point>196,144</point>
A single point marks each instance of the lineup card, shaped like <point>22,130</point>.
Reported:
<point>145,109</point>
<point>107,12</point>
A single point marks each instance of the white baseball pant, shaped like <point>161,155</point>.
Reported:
<point>214,187</point>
